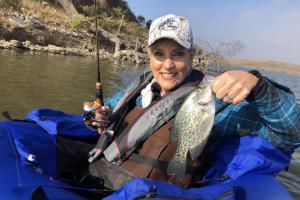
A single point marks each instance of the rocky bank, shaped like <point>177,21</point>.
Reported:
<point>26,30</point>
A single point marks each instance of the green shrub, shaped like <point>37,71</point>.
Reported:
<point>45,14</point>
<point>88,10</point>
<point>78,21</point>
<point>13,4</point>
<point>133,30</point>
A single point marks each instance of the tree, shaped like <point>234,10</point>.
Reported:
<point>69,7</point>
<point>218,54</point>
<point>148,24</point>
<point>102,3</point>
<point>141,20</point>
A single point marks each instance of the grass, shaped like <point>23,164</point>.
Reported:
<point>78,21</point>
<point>11,4</point>
<point>46,12</point>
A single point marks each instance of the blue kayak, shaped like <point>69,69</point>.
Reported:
<point>28,165</point>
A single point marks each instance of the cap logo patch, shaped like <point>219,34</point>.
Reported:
<point>169,24</point>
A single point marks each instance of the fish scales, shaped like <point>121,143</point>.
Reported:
<point>191,127</point>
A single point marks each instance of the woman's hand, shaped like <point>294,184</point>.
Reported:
<point>234,86</point>
<point>102,117</point>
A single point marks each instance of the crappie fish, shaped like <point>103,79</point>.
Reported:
<point>191,127</point>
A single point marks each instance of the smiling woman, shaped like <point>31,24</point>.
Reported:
<point>170,63</point>
<point>170,51</point>
<point>243,100</point>
<point>139,145</point>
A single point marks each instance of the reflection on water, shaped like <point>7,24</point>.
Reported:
<point>29,81</point>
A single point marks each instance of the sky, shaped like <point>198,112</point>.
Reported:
<point>270,29</point>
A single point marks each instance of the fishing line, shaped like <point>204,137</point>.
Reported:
<point>97,41</point>
<point>99,91</point>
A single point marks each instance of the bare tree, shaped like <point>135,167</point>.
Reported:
<point>218,54</point>
<point>68,6</point>
<point>102,3</point>
<point>120,26</point>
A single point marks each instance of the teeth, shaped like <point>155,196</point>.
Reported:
<point>168,75</point>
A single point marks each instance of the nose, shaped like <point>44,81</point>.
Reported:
<point>169,63</point>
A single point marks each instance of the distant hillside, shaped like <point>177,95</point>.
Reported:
<point>68,27</point>
<point>268,65</point>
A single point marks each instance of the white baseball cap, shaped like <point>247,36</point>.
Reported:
<point>173,27</point>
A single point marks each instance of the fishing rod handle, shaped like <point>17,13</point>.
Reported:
<point>98,103</point>
<point>99,93</point>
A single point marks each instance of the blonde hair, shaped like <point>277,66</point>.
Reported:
<point>154,45</point>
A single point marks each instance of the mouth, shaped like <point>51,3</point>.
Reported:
<point>168,75</point>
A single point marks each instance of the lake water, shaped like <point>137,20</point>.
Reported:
<point>33,80</point>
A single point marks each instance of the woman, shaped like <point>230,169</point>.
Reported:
<point>247,104</point>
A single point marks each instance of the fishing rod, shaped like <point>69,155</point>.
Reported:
<point>90,107</point>
<point>99,91</point>
<point>106,135</point>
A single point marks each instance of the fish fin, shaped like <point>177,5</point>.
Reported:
<point>177,167</point>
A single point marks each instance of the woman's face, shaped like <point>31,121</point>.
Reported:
<point>170,63</point>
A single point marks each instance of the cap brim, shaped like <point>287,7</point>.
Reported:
<point>175,38</point>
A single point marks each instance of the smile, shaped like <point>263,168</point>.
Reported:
<point>168,75</point>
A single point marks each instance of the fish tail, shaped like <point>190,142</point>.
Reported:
<point>177,166</point>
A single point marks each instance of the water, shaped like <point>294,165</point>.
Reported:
<point>30,81</point>
<point>33,80</point>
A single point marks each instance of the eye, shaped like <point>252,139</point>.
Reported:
<point>158,54</point>
<point>179,53</point>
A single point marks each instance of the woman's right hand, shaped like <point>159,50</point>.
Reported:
<point>102,117</point>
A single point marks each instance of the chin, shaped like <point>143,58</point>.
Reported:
<point>169,87</point>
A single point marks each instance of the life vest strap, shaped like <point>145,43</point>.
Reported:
<point>162,165</point>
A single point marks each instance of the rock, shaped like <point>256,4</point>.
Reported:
<point>55,49</point>
<point>38,48</point>
<point>35,23</point>
<point>27,43</point>
<point>40,40</point>
<point>16,43</point>
<point>17,22</point>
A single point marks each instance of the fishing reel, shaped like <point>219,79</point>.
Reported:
<point>89,109</point>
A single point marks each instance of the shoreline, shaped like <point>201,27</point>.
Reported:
<point>266,65</point>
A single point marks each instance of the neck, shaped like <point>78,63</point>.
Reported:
<point>163,92</point>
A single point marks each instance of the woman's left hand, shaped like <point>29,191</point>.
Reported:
<point>234,86</point>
